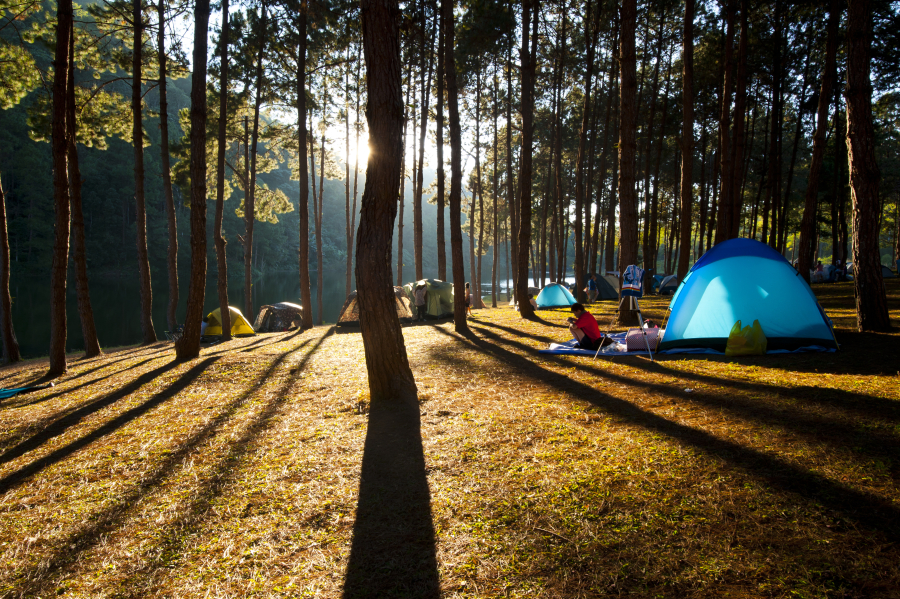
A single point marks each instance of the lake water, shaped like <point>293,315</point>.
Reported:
<point>116,303</point>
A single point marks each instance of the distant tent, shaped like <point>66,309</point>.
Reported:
<point>655,281</point>
<point>668,285</point>
<point>887,273</point>
<point>438,297</point>
<point>350,312</point>
<point>613,280</point>
<point>239,325</point>
<point>554,295</point>
<point>605,290</point>
<point>282,316</point>
<point>717,292</point>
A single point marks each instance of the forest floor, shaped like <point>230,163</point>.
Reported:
<point>239,474</point>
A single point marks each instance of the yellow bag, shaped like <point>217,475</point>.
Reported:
<point>749,341</point>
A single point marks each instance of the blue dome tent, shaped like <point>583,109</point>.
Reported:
<point>743,279</point>
<point>554,295</point>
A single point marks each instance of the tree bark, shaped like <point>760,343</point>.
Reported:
<point>417,200</point>
<point>390,377</point>
<point>441,176</point>
<point>137,138</point>
<point>628,237</point>
<point>402,199</point>
<point>740,103</point>
<point>687,139</point>
<point>79,256</point>
<point>171,219</point>
<point>10,343</point>
<point>528,61</point>
<point>218,238</point>
<point>495,192</point>
<point>459,277</point>
<point>62,70</point>
<point>580,198</point>
<point>723,225</point>
<point>871,302</point>
<point>188,347</point>
<point>808,222</point>
<point>774,193</point>
<point>250,194</point>
<point>303,169</point>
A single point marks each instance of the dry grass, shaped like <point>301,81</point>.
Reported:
<point>238,474</point>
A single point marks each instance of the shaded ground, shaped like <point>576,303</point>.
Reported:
<point>249,471</point>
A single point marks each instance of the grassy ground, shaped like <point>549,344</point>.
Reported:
<point>239,474</point>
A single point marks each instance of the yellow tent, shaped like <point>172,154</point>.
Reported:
<point>239,324</point>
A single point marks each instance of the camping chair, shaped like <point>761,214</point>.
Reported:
<point>174,335</point>
<point>633,289</point>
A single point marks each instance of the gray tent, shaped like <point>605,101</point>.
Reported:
<point>282,316</point>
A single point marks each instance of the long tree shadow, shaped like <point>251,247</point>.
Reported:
<point>864,508</point>
<point>867,405</point>
<point>59,392</point>
<point>101,524</point>
<point>815,427</point>
<point>394,552</point>
<point>60,426</point>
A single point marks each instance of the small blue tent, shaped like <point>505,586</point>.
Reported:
<point>554,295</point>
<point>743,279</point>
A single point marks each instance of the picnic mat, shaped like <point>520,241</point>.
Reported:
<point>619,348</point>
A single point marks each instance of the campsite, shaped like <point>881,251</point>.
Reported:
<point>549,476</point>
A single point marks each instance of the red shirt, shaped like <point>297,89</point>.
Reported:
<point>587,323</point>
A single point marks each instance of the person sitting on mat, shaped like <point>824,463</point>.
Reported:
<point>584,328</point>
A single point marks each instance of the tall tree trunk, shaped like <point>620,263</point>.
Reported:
<point>701,226</point>
<point>871,302</point>
<point>218,238</point>
<point>250,195</point>
<point>188,347</point>
<point>476,295</point>
<point>358,126</point>
<point>302,169</point>
<point>801,99</point>
<point>740,104</point>
<point>320,210</point>
<point>10,344</point>
<point>459,277</point>
<point>417,201</point>
<point>774,192</point>
<point>591,32</point>
<point>79,256</point>
<point>390,377</point>
<point>724,212</point>
<point>654,199</point>
<point>528,61</point>
<point>62,70</point>
<point>171,220</point>
<point>347,231</point>
<point>654,94</point>
<point>687,139</point>
<point>137,138</point>
<point>495,193</point>
<point>810,207</point>
<point>439,198</point>
<point>511,201</point>
<point>406,119</point>
<point>628,237</point>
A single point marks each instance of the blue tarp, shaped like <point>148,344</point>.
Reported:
<point>554,296</point>
<point>743,279</point>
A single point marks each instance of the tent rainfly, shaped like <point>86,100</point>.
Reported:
<point>438,297</point>
<point>350,312</point>
<point>239,325</point>
<point>554,295</point>
<point>282,316</point>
